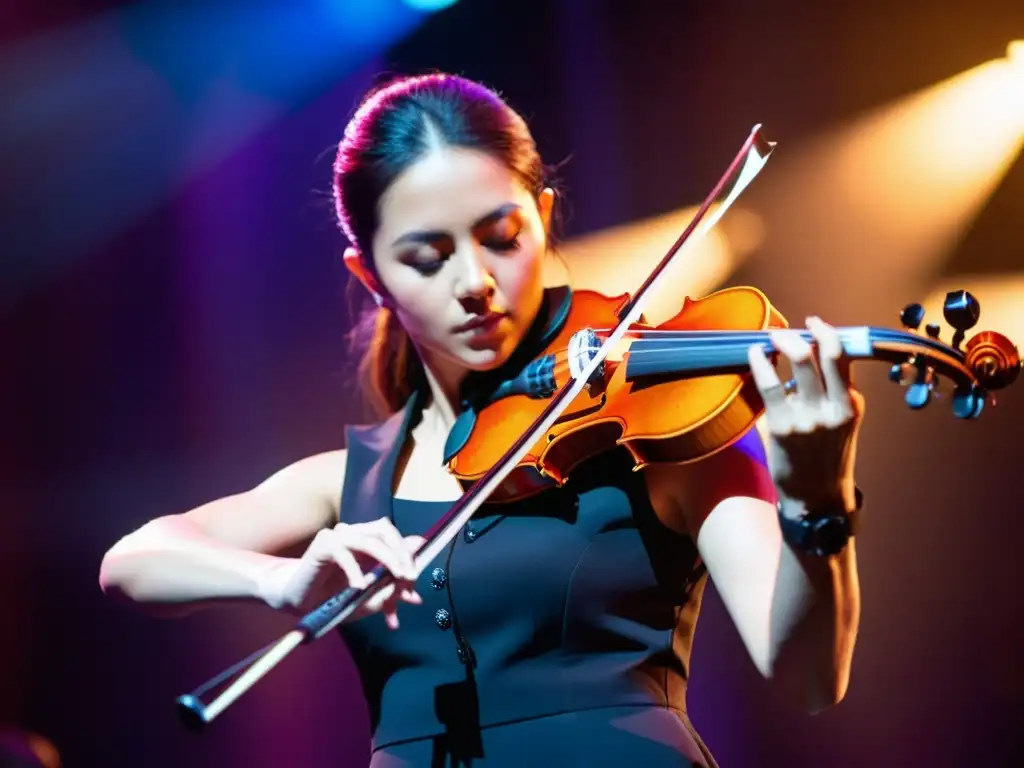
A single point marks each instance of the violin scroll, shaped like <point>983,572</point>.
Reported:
<point>990,360</point>
<point>993,359</point>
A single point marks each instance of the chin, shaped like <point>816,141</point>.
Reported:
<point>484,359</point>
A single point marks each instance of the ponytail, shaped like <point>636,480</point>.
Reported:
<point>390,370</point>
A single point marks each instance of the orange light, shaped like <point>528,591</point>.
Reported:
<point>1015,55</point>
<point>615,260</point>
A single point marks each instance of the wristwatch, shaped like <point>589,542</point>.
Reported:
<point>822,530</point>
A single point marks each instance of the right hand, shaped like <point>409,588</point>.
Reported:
<point>338,558</point>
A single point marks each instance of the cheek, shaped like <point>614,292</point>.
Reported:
<point>521,277</point>
<point>424,307</point>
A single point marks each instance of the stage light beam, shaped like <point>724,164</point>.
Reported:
<point>1001,298</point>
<point>878,204</point>
<point>616,259</point>
<point>1015,55</point>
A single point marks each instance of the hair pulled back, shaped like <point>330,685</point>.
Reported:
<point>395,126</point>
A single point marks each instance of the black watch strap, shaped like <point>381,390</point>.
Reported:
<point>822,531</point>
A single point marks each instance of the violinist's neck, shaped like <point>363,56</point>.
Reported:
<point>445,385</point>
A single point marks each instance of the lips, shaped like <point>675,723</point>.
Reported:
<point>486,322</point>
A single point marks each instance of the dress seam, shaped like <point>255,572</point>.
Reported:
<point>568,589</point>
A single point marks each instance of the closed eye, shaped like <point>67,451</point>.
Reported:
<point>502,245</point>
<point>425,262</point>
<point>503,233</point>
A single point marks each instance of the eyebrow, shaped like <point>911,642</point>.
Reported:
<point>428,236</point>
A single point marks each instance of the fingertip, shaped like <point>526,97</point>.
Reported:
<point>756,352</point>
<point>829,343</point>
<point>792,345</point>
<point>779,340</point>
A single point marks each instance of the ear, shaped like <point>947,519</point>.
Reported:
<point>357,266</point>
<point>545,205</point>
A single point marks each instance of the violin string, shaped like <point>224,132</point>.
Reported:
<point>722,338</point>
<point>724,343</point>
<point>719,335</point>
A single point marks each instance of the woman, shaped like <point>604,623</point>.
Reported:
<point>556,630</point>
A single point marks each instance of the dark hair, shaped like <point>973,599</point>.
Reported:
<point>395,126</point>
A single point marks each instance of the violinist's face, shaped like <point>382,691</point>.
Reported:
<point>458,253</point>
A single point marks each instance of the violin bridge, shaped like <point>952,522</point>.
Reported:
<point>582,350</point>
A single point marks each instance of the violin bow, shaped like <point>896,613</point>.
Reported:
<point>741,172</point>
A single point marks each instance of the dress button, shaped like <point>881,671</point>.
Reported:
<point>469,534</point>
<point>438,578</point>
<point>443,618</point>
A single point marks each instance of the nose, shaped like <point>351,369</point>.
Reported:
<point>475,280</point>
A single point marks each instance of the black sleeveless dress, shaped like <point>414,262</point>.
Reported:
<point>554,632</point>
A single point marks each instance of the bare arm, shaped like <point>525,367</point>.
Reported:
<point>229,549</point>
<point>797,615</point>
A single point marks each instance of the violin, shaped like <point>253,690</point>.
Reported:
<point>681,390</point>
<point>674,392</point>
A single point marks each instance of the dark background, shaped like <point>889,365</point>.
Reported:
<point>173,317</point>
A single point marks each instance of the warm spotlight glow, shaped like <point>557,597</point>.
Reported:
<point>1015,55</point>
<point>616,260</point>
<point>44,751</point>
<point>25,748</point>
<point>878,205</point>
<point>1001,298</point>
<point>958,138</point>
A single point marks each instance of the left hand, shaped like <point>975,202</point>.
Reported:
<point>813,429</point>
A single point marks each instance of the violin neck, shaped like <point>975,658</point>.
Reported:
<point>691,354</point>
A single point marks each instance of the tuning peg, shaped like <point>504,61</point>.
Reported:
<point>902,373</point>
<point>911,316</point>
<point>961,311</point>
<point>933,330</point>
<point>968,402</point>
<point>919,394</point>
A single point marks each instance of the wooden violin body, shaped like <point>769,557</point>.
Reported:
<point>659,416</point>
<point>682,390</point>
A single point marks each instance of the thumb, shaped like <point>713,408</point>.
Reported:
<point>414,542</point>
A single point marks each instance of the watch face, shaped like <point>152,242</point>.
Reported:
<point>817,534</point>
<point>829,534</point>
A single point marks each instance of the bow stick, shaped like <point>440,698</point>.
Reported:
<point>741,171</point>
